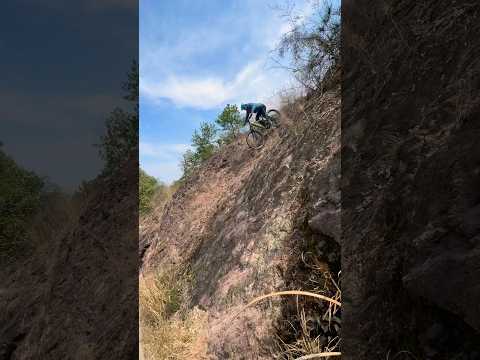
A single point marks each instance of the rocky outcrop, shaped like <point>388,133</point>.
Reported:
<point>449,281</point>
<point>241,225</point>
<point>410,179</point>
<point>327,222</point>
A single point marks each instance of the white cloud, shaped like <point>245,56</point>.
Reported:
<point>204,66</point>
<point>255,82</point>
<point>184,91</point>
<point>169,69</point>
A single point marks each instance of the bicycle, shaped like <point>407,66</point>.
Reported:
<point>255,137</point>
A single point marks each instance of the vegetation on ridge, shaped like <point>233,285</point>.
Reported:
<point>307,327</point>
<point>210,137</point>
<point>20,197</point>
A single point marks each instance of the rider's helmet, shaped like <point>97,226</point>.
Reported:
<point>243,107</point>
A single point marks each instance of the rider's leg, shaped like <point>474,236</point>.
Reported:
<point>260,119</point>
<point>261,114</point>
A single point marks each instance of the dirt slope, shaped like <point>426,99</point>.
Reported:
<point>77,296</point>
<point>241,223</point>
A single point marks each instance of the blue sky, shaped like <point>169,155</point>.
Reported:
<point>197,56</point>
<point>62,74</point>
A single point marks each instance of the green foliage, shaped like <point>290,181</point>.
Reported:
<point>121,138</point>
<point>230,122</point>
<point>203,141</point>
<point>190,161</point>
<point>20,196</point>
<point>206,141</point>
<point>147,185</point>
<point>204,146</point>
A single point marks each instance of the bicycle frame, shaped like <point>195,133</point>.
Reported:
<point>255,125</point>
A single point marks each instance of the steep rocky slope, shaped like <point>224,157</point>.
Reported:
<point>243,221</point>
<point>410,174</point>
<point>76,297</point>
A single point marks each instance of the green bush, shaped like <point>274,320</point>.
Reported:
<point>20,197</point>
<point>204,146</point>
<point>230,122</point>
<point>203,141</point>
<point>210,137</point>
<point>147,185</point>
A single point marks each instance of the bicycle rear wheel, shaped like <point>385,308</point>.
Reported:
<point>255,139</point>
<point>275,117</point>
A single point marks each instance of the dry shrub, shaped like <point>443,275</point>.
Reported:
<point>167,331</point>
<point>313,45</point>
<point>292,103</point>
<point>317,329</point>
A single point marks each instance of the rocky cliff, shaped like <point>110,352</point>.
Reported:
<point>248,222</point>
<point>410,175</point>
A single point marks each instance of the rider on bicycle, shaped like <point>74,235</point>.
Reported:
<point>258,108</point>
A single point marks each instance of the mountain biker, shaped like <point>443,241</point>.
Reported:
<point>258,108</point>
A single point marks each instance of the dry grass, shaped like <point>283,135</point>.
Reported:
<point>167,331</point>
<point>320,355</point>
<point>307,345</point>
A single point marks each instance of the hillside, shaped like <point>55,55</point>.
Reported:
<point>251,222</point>
<point>75,295</point>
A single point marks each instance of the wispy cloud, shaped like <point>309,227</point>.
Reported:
<point>255,82</point>
<point>194,59</point>
<point>206,67</point>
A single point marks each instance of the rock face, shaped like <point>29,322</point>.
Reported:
<point>77,296</point>
<point>449,281</point>
<point>411,179</point>
<point>327,222</point>
<point>240,224</point>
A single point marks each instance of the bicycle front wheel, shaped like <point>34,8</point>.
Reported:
<point>255,139</point>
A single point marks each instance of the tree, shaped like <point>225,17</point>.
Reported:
<point>204,141</point>
<point>190,161</point>
<point>147,186</point>
<point>230,122</point>
<point>314,44</point>
<point>204,146</point>
<point>20,198</point>
<point>121,138</point>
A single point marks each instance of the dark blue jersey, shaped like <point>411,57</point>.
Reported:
<point>253,107</point>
